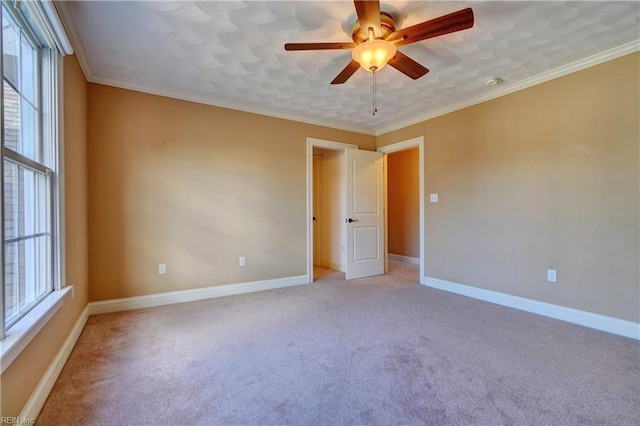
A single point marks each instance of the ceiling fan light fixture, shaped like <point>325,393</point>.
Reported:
<point>373,55</point>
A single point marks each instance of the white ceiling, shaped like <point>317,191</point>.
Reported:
<point>230,53</point>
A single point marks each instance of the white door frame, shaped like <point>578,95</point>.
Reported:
<point>324,144</point>
<point>401,146</point>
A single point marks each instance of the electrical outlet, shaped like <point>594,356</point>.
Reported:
<point>241,261</point>
<point>162,268</point>
<point>551,275</point>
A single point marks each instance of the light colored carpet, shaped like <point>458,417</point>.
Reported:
<point>383,350</point>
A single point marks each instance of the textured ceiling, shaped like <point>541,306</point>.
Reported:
<point>230,53</point>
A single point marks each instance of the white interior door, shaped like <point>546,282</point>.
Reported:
<point>365,216</point>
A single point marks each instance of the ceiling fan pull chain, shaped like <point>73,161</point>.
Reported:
<point>375,94</point>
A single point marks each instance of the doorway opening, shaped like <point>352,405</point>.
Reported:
<point>325,205</point>
<point>404,203</point>
<point>359,234</point>
<point>329,232</point>
<point>403,224</point>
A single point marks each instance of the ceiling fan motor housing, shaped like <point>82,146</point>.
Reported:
<point>387,25</point>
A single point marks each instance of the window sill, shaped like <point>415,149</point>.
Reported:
<point>22,332</point>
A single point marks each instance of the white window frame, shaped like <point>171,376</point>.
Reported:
<point>45,150</point>
<point>41,19</point>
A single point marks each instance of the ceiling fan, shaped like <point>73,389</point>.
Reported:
<point>375,39</point>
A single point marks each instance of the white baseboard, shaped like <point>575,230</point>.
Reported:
<point>405,259</point>
<point>35,403</point>
<point>182,296</point>
<point>588,319</point>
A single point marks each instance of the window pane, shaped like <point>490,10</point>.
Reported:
<point>26,201</point>
<point>27,274</point>
<point>43,265</point>
<point>11,279</point>
<point>29,290</point>
<point>43,205</point>
<point>15,283</point>
<point>20,124</point>
<point>28,131</point>
<point>10,50</point>
<point>28,71</point>
<point>12,120</point>
<point>28,215</point>
<point>28,270</point>
<point>10,199</point>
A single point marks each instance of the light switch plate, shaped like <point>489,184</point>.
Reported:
<point>433,198</point>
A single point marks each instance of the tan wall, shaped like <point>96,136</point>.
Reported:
<point>403,203</point>
<point>23,375</point>
<point>333,209</point>
<point>545,178</point>
<point>195,187</point>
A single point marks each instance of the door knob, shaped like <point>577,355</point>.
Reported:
<point>351,220</point>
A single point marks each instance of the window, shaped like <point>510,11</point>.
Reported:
<point>30,253</point>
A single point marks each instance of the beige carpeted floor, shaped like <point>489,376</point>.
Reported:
<point>382,350</point>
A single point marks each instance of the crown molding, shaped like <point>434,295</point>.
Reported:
<point>76,42</point>
<point>599,58</point>
<point>201,100</point>
<point>590,61</point>
<point>69,25</point>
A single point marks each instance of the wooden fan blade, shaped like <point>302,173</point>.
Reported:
<point>368,12</point>
<point>347,72</point>
<point>407,66</point>
<point>318,46</point>
<point>456,21</point>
